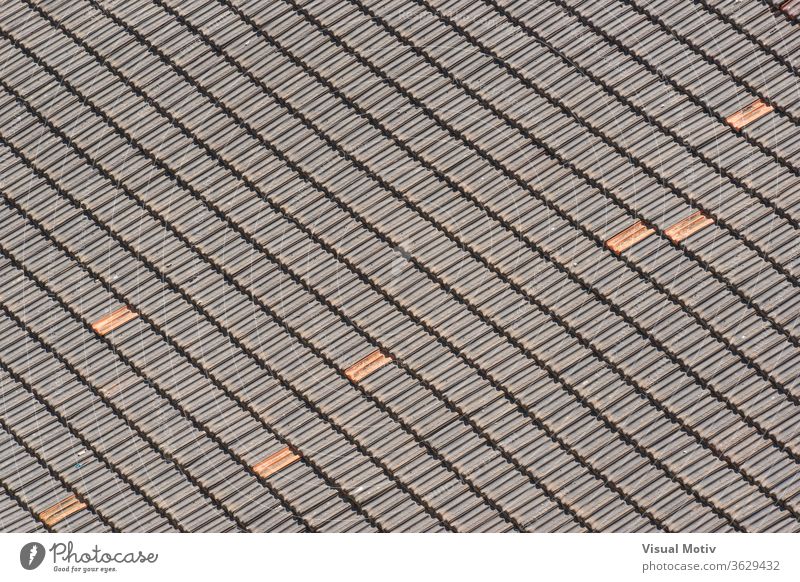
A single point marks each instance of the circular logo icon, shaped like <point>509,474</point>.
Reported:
<point>31,555</point>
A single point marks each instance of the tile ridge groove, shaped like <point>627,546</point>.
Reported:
<point>778,8</point>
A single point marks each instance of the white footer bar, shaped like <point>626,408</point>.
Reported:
<point>406,557</point>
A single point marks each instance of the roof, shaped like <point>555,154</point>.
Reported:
<point>399,265</point>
